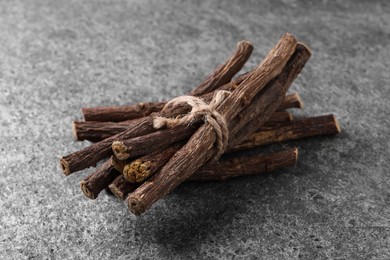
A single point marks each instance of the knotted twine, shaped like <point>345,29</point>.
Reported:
<point>199,109</point>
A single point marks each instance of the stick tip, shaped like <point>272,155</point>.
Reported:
<point>300,103</point>
<point>289,36</point>
<point>337,124</point>
<point>83,111</point>
<point>303,45</point>
<point>74,131</point>
<point>290,116</point>
<point>119,150</point>
<point>245,43</point>
<point>135,205</point>
<point>296,154</point>
<point>116,191</point>
<point>65,167</point>
<point>130,171</point>
<point>87,192</point>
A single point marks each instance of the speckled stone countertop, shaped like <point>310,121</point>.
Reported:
<point>58,56</point>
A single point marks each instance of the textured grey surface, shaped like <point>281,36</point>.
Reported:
<point>58,56</point>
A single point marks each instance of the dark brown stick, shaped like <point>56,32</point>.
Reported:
<point>95,131</point>
<point>150,143</point>
<point>99,180</point>
<point>221,76</point>
<point>308,127</point>
<point>200,148</point>
<point>226,168</point>
<point>224,73</point>
<point>92,154</point>
<point>121,113</point>
<point>223,169</point>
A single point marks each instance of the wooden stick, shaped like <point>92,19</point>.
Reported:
<point>247,165</point>
<point>92,154</point>
<point>94,183</point>
<point>303,128</point>
<point>223,169</point>
<point>121,113</point>
<point>225,72</point>
<point>200,148</point>
<point>95,131</point>
<point>221,76</point>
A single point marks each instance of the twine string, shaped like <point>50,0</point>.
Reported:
<point>200,109</point>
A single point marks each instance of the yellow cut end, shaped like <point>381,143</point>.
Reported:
<point>119,150</point>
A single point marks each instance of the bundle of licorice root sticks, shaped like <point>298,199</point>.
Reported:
<point>148,149</point>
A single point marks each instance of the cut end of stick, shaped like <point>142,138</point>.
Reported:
<point>74,131</point>
<point>137,171</point>
<point>245,42</point>
<point>299,101</point>
<point>119,150</point>
<point>117,192</point>
<point>290,117</point>
<point>135,206</point>
<point>130,171</point>
<point>84,112</point>
<point>296,154</point>
<point>337,124</point>
<point>306,47</point>
<point>87,192</point>
<point>65,167</point>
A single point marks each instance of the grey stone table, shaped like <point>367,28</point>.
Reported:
<point>58,56</point>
